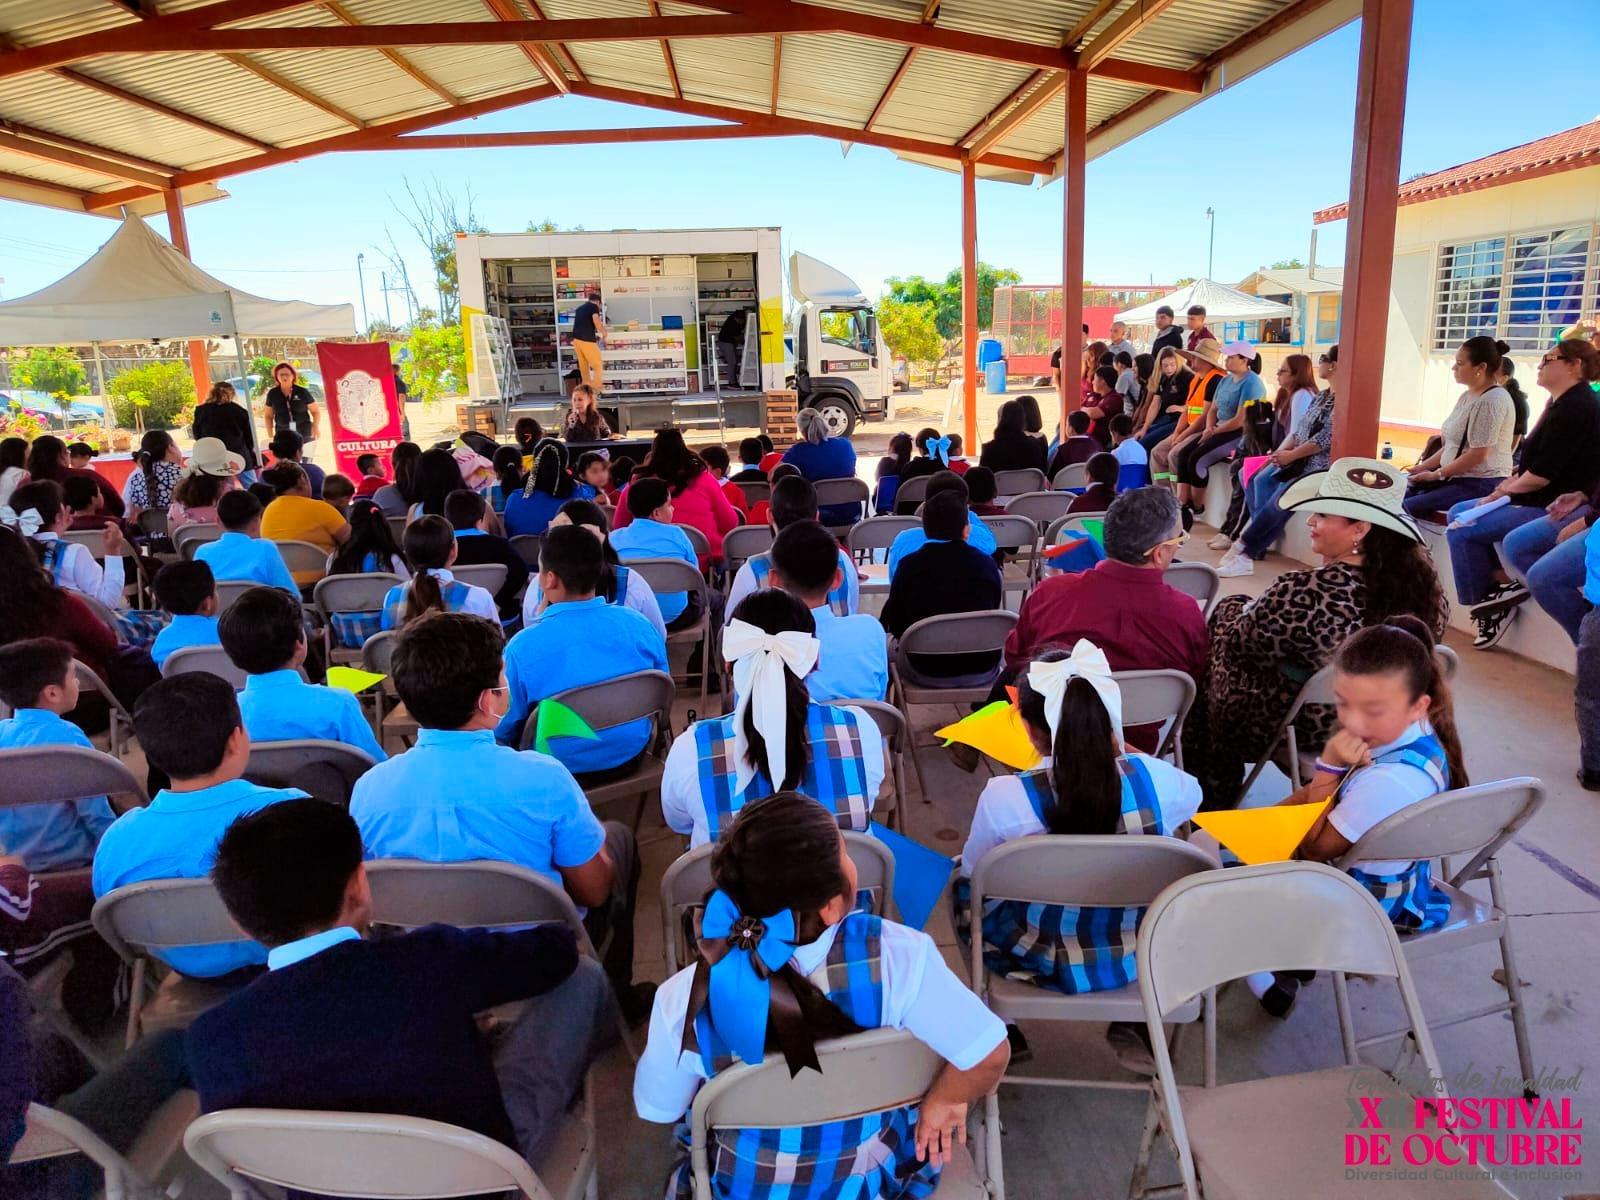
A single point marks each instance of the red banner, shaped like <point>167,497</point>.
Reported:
<point>362,406</point>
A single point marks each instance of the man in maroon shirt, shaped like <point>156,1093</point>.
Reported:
<point>1198,330</point>
<point>1122,605</point>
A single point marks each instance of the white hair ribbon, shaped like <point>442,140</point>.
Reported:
<point>1087,662</point>
<point>759,660</point>
<point>28,522</point>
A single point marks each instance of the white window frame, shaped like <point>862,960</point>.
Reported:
<point>1446,330</point>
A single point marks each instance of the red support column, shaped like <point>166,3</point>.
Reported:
<point>199,360</point>
<point>969,304</point>
<point>1369,250</point>
<point>1074,158</point>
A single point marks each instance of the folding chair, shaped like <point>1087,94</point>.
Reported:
<point>1055,533</point>
<point>121,719</point>
<point>668,575</point>
<point>50,1133</point>
<point>870,1072</point>
<point>743,543</point>
<point>876,533</point>
<point>213,660</point>
<point>526,546</point>
<point>755,491</point>
<point>687,883</point>
<point>139,919</point>
<point>229,590</point>
<point>701,543</point>
<point>1476,821</point>
<point>153,522</point>
<point>941,636</point>
<point>397,526</point>
<point>896,734</point>
<point>94,539</point>
<point>379,1154</point>
<point>323,769</point>
<point>1023,533</point>
<point>187,538</point>
<point>64,774</point>
<point>843,491</point>
<point>1040,507</point>
<point>911,492</point>
<point>613,702</point>
<point>1074,476</point>
<point>376,653</point>
<point>338,595</point>
<point>1111,871</point>
<point>1269,1137</point>
<point>1155,698</point>
<point>1196,579</point>
<point>1020,481</point>
<point>303,557</point>
<point>491,577</point>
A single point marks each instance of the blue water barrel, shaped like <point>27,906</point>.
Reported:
<point>989,350</point>
<point>994,376</point>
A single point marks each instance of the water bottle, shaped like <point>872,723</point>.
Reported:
<point>1388,451</point>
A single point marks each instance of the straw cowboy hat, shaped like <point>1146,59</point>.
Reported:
<point>211,457</point>
<point>1358,489</point>
<point>1208,351</point>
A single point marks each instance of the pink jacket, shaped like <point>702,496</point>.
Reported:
<point>702,504</point>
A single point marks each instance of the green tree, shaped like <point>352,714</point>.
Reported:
<point>945,296</point>
<point>1287,264</point>
<point>152,396</point>
<point>1184,282</point>
<point>911,328</point>
<point>437,363</point>
<point>55,370</point>
<point>549,226</point>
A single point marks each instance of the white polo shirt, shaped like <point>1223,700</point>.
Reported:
<point>1373,794</point>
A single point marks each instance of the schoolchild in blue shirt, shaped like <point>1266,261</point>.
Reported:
<point>618,584</point>
<point>651,534</point>
<point>794,498</point>
<point>909,541</point>
<point>785,893</point>
<point>265,638</point>
<point>189,728</point>
<point>578,638</point>
<point>38,682</point>
<point>853,656</point>
<point>457,795</point>
<point>431,547</point>
<point>188,591</point>
<point>241,552</point>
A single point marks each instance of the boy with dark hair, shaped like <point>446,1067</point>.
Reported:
<point>1132,458</point>
<point>80,455</point>
<point>189,728</point>
<point>651,534</point>
<point>853,662</point>
<point>1102,471</point>
<point>750,453</point>
<point>716,459</point>
<point>794,499</point>
<point>264,636</point>
<point>468,514</point>
<point>579,639</point>
<point>909,541</point>
<point>593,470</point>
<point>457,795</point>
<point>188,591</point>
<point>289,446</point>
<point>1078,448</point>
<point>339,491</point>
<point>981,492</point>
<point>958,464</point>
<point>38,682</point>
<point>769,453</point>
<point>372,476</point>
<point>83,500</point>
<point>343,1024</point>
<point>241,552</point>
<point>944,574</point>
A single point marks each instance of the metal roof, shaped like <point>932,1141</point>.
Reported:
<point>112,102</point>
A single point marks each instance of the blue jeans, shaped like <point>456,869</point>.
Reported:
<point>1472,553</point>
<point>1443,499</point>
<point>1554,574</point>
<point>1267,521</point>
<point>1261,486</point>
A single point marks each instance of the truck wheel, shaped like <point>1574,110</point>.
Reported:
<point>839,416</point>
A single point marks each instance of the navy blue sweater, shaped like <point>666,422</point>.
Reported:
<point>384,1026</point>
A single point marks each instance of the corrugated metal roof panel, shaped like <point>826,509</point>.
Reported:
<point>727,70</point>
<point>474,72</point>
<point>637,66</point>
<point>1044,22</point>
<point>1192,30</point>
<point>944,95</point>
<point>32,22</point>
<point>362,82</point>
<point>72,177</point>
<point>835,77</point>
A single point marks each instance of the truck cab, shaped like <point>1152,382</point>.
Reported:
<point>842,365</point>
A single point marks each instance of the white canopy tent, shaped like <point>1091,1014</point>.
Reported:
<point>1222,303</point>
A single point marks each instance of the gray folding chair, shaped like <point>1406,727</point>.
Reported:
<point>1074,476</point>
<point>668,575</point>
<point>229,590</point>
<point>755,491</point>
<point>121,719</point>
<point>64,774</point>
<point>1040,507</point>
<point>491,577</point>
<point>1478,822</point>
<point>1196,579</point>
<point>50,1133</point>
<point>642,695</point>
<point>843,491</point>
<point>701,543</point>
<point>1056,532</point>
<point>1022,532</point>
<point>1111,871</point>
<point>187,538</point>
<point>872,534</point>
<point>911,491</point>
<point>350,594</point>
<point>743,543</point>
<point>93,539</point>
<point>303,557</point>
<point>896,734</point>
<point>1268,1137</point>
<point>397,526</point>
<point>153,522</point>
<point>687,883</point>
<point>1018,481</point>
<point>213,660</point>
<point>526,546</point>
<point>380,1154</point>
<point>1161,697</point>
<point>870,1072</point>
<point>322,769</point>
<point>140,919</point>
<point>376,653</point>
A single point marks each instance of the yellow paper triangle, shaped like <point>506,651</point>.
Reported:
<point>352,679</point>
<point>996,730</point>
<point>1262,835</point>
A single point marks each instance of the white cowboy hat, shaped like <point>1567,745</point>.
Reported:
<point>1208,351</point>
<point>211,457</point>
<point>1359,489</point>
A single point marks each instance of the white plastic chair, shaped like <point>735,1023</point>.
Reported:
<point>229,591</point>
<point>322,769</point>
<point>911,491</point>
<point>397,526</point>
<point>350,594</point>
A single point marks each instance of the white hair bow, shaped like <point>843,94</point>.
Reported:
<point>28,522</point>
<point>1087,661</point>
<point>759,660</point>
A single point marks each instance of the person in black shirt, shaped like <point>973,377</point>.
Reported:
<point>217,416</point>
<point>730,340</point>
<point>587,328</point>
<point>1013,448</point>
<point>1167,334</point>
<point>467,511</point>
<point>945,576</point>
<point>290,405</point>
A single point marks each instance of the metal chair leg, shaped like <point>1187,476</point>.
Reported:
<point>1347,1028</point>
<point>1138,1185</point>
<point>994,1170</point>
<point>1519,1013</point>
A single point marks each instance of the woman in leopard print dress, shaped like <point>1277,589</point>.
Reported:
<point>1263,650</point>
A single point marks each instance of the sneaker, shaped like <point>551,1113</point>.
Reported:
<point>1130,1042</point>
<point>1188,518</point>
<point>1279,999</point>
<point>1237,567</point>
<point>1492,626</point>
<point>964,756</point>
<point>1221,542</point>
<point>1021,1052</point>
<point>1589,780</point>
<point>1505,595</point>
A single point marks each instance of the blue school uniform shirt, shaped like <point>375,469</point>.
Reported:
<point>909,541</point>
<point>176,837</point>
<point>567,646</point>
<point>182,631</point>
<point>1591,565</point>
<point>279,706</point>
<point>50,837</point>
<point>458,796</point>
<point>531,512</point>
<point>237,555</point>
<point>853,660</point>
<point>644,538</point>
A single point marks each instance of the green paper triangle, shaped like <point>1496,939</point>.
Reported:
<point>555,720</point>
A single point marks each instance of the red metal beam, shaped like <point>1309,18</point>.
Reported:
<point>46,135</point>
<point>1383,64</point>
<point>305,94</point>
<point>1075,159</point>
<point>777,74</point>
<point>395,57</point>
<point>63,156</point>
<point>571,137</point>
<point>930,13</point>
<point>666,55</point>
<point>199,360</point>
<point>1023,112</point>
<point>969,301</point>
<point>1120,31</point>
<point>539,56</point>
<point>45,185</point>
<point>1090,19</point>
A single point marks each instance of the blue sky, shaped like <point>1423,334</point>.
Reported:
<point>1265,154</point>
